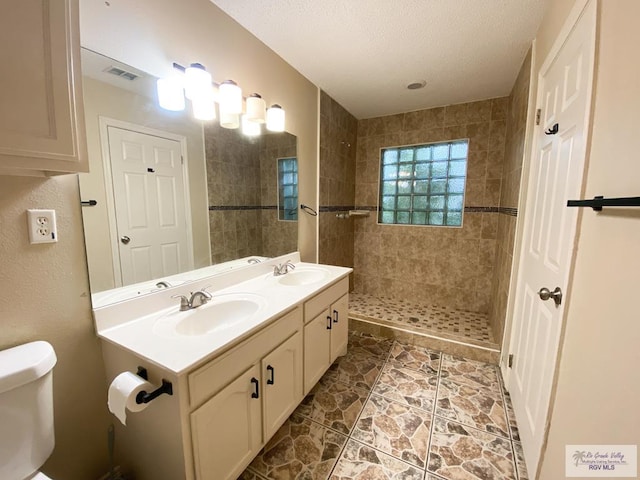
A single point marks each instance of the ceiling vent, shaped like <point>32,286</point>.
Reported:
<point>119,72</point>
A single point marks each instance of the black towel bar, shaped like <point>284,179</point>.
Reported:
<point>598,202</point>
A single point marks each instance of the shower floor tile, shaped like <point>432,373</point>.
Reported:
<point>430,319</point>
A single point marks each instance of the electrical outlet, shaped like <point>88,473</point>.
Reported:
<point>42,226</point>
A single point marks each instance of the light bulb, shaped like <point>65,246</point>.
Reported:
<point>196,81</point>
<point>204,108</point>
<point>229,120</point>
<point>250,129</point>
<point>275,118</point>
<point>256,108</point>
<point>170,94</point>
<point>230,97</point>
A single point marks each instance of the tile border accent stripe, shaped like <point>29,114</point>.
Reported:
<point>226,208</point>
<point>513,212</point>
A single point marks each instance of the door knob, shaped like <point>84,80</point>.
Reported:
<point>546,294</point>
<point>124,239</point>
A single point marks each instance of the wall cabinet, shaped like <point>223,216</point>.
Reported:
<point>41,120</point>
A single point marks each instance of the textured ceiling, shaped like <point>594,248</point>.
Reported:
<point>365,52</point>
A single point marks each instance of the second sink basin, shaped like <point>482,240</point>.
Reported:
<point>303,276</point>
<point>222,312</point>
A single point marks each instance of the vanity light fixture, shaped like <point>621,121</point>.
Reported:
<point>230,97</point>
<point>256,108</point>
<point>249,128</point>
<point>275,118</point>
<point>195,83</point>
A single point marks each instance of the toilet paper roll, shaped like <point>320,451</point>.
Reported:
<point>122,394</point>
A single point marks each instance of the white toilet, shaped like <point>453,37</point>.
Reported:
<point>26,410</point>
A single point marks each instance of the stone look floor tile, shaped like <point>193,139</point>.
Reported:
<point>520,463</point>
<point>360,462</point>
<point>415,357</point>
<point>511,417</point>
<point>300,449</point>
<point>368,344</point>
<point>394,428</point>
<point>249,474</point>
<point>479,408</point>
<point>469,372</point>
<point>405,385</point>
<point>356,368</point>
<point>334,404</point>
<point>461,453</point>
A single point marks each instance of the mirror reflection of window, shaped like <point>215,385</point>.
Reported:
<point>288,189</point>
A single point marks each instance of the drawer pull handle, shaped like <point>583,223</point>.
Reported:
<point>255,394</point>
<point>329,322</point>
<point>272,379</point>
<point>335,316</point>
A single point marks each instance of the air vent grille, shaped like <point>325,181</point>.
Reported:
<point>118,72</point>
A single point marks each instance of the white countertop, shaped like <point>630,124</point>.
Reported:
<point>130,324</point>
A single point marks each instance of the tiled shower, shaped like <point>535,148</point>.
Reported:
<point>443,282</point>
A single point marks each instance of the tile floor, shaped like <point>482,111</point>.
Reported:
<point>422,317</point>
<point>388,410</point>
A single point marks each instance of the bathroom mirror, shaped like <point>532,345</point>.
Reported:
<point>168,196</point>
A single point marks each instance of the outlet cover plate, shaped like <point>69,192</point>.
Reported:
<point>42,226</point>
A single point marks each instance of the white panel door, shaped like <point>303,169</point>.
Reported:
<point>150,210</point>
<point>556,174</point>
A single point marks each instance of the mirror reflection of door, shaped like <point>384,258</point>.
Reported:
<point>150,210</point>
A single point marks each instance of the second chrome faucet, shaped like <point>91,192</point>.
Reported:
<point>283,268</point>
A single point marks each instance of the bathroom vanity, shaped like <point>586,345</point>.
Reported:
<point>239,365</point>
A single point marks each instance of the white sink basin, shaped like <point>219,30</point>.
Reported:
<point>303,276</point>
<point>221,313</point>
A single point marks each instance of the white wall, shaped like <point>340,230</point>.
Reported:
<point>597,398</point>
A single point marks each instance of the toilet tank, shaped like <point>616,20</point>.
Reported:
<point>26,408</point>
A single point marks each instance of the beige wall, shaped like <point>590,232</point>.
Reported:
<point>101,99</point>
<point>45,296</point>
<point>151,34</point>
<point>444,266</point>
<point>598,387</point>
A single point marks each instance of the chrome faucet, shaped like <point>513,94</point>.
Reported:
<point>283,268</point>
<point>196,300</point>
<point>163,284</point>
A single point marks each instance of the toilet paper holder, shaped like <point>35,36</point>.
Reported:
<point>146,397</point>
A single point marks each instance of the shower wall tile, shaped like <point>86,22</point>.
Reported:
<point>514,110</point>
<point>448,267</point>
<point>338,147</point>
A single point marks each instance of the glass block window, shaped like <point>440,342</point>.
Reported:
<point>423,184</point>
<point>288,188</point>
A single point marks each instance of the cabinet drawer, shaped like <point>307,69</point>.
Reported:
<point>211,378</point>
<point>317,304</point>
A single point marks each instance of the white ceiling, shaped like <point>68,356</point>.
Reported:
<point>365,52</point>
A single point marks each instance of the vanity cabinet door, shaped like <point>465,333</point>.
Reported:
<point>227,430</point>
<point>317,349</point>
<point>282,383</point>
<point>42,117</point>
<point>339,327</point>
